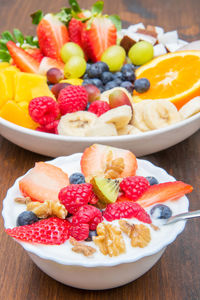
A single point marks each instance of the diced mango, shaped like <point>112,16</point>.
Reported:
<point>73,81</point>
<point>41,90</point>
<point>4,89</point>
<point>12,112</point>
<point>4,65</point>
<point>10,72</point>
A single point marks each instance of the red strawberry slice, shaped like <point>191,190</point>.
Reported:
<point>48,63</point>
<point>43,182</point>
<point>164,192</point>
<point>75,28</point>
<point>35,53</point>
<point>98,38</point>
<point>24,61</point>
<point>51,231</point>
<point>52,35</point>
<point>95,160</point>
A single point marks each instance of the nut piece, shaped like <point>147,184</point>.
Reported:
<point>114,167</point>
<point>47,208</point>
<point>154,227</point>
<point>109,240</point>
<point>81,247</point>
<point>22,200</point>
<point>139,234</point>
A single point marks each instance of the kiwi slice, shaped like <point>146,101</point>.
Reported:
<point>106,189</point>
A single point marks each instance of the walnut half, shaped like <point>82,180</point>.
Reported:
<point>47,209</point>
<point>80,247</point>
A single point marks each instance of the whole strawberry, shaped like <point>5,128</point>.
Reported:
<point>134,186</point>
<point>72,98</point>
<point>99,107</point>
<point>75,29</point>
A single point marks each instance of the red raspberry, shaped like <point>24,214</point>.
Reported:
<point>79,231</point>
<point>75,195</point>
<point>126,209</point>
<point>99,107</point>
<point>75,29</point>
<point>51,231</point>
<point>88,214</point>
<point>72,98</point>
<point>43,110</point>
<point>94,199</point>
<point>49,128</point>
<point>134,186</point>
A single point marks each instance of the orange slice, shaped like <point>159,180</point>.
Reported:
<point>173,76</point>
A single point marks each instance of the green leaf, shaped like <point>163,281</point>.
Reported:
<point>4,56</point>
<point>116,21</point>
<point>3,44</point>
<point>6,35</point>
<point>97,7</point>
<point>65,15</point>
<point>18,36</point>
<point>74,5</point>
<point>37,17</point>
<point>31,40</point>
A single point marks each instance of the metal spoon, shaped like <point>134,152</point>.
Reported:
<point>183,216</point>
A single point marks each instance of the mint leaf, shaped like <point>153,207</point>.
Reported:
<point>65,15</point>
<point>74,5</point>
<point>97,7</point>
<point>31,41</point>
<point>3,44</point>
<point>18,36</point>
<point>37,17</point>
<point>115,19</point>
<point>6,35</point>
<point>4,56</point>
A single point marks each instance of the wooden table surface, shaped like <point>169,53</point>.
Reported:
<point>177,274</point>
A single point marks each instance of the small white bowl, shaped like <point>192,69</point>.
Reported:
<point>98,272</point>
<point>141,144</point>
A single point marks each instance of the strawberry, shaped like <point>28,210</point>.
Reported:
<point>52,35</point>
<point>164,192</point>
<point>23,60</point>
<point>99,159</point>
<point>35,53</point>
<point>101,35</point>
<point>51,231</point>
<point>43,182</point>
<point>75,29</point>
<point>48,63</point>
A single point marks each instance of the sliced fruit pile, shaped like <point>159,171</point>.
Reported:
<point>108,189</point>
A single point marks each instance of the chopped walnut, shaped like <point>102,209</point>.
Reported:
<point>48,208</point>
<point>139,234</point>
<point>154,227</point>
<point>80,247</point>
<point>114,167</point>
<point>22,200</point>
<point>109,240</point>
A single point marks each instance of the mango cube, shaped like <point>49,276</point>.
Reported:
<point>10,72</point>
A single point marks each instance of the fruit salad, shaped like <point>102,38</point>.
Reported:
<point>107,205</point>
<point>82,75</point>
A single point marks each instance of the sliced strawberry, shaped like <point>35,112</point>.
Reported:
<point>35,53</point>
<point>43,182</point>
<point>52,35</point>
<point>48,63</point>
<point>75,28</point>
<point>97,160</point>
<point>98,38</point>
<point>164,192</point>
<point>24,61</point>
<point>51,231</point>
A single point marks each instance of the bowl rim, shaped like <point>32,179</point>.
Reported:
<point>91,264</point>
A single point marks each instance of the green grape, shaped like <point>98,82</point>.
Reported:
<point>114,57</point>
<point>75,67</point>
<point>141,53</point>
<point>70,49</point>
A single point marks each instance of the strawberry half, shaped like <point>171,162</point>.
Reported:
<point>75,29</point>
<point>43,182</point>
<point>48,63</point>
<point>51,231</point>
<point>101,35</point>
<point>52,35</point>
<point>35,53</point>
<point>23,60</point>
<point>167,191</point>
<point>97,160</point>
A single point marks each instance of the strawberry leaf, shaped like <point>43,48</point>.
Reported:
<point>3,44</point>
<point>97,7</point>
<point>65,15</point>
<point>18,36</point>
<point>37,17</point>
<point>74,5</point>
<point>31,40</point>
<point>115,19</point>
<point>4,56</point>
<point>6,35</point>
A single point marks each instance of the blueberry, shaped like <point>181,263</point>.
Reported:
<point>97,82</point>
<point>91,234</point>
<point>129,76</point>
<point>101,89</point>
<point>161,211</point>
<point>26,218</point>
<point>118,81</point>
<point>141,85</point>
<point>87,81</point>
<point>110,85</point>
<point>77,178</point>
<point>103,66</point>
<point>97,69</point>
<point>119,75</point>
<point>88,66</point>
<point>127,67</point>
<point>87,106</point>
<point>152,180</point>
<point>127,85</point>
<point>86,76</point>
<point>106,77</point>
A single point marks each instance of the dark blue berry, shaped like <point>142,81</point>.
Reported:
<point>77,178</point>
<point>87,81</point>
<point>91,234</point>
<point>129,76</point>
<point>97,82</point>
<point>161,211</point>
<point>88,66</point>
<point>118,81</point>
<point>106,77</point>
<point>103,66</point>
<point>26,218</point>
<point>97,69</point>
<point>152,180</point>
<point>119,75</point>
<point>141,85</point>
<point>127,85</point>
<point>86,76</point>
<point>127,67</point>
<point>110,85</point>
<point>87,106</point>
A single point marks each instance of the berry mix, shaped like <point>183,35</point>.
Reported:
<point>97,209</point>
<point>81,66</point>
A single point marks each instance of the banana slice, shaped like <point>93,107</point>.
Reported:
<point>191,108</point>
<point>105,95</point>
<point>76,124</point>
<point>160,113</point>
<point>119,116</point>
<point>101,129</point>
<point>138,115</point>
<point>129,129</point>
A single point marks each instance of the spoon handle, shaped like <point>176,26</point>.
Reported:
<point>183,216</point>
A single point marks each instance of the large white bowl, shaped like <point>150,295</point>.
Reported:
<point>90,273</point>
<point>141,144</point>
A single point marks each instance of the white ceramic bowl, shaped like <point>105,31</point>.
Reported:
<point>141,144</point>
<point>100,272</point>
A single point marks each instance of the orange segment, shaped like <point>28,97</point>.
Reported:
<point>173,76</point>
